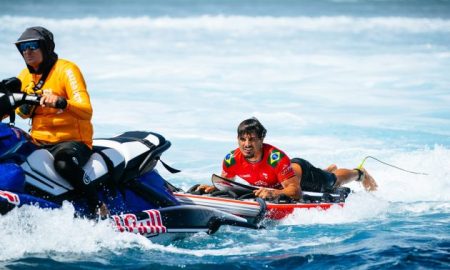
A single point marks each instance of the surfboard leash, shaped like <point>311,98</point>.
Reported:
<point>385,163</point>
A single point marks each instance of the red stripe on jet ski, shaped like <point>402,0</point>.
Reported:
<point>215,199</point>
<point>10,197</point>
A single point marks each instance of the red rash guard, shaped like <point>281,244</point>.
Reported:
<point>270,171</point>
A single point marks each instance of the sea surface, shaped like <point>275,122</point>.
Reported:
<point>332,81</point>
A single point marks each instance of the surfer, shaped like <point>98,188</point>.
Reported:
<point>62,122</point>
<point>269,168</point>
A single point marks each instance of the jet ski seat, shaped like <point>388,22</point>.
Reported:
<point>131,154</point>
<point>115,160</point>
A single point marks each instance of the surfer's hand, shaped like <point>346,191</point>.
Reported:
<point>205,188</point>
<point>267,193</point>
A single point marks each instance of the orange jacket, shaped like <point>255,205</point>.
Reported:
<point>51,125</point>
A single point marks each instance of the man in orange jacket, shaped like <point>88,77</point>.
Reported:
<point>62,122</point>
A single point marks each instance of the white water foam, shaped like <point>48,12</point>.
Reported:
<point>398,192</point>
<point>358,207</point>
<point>397,185</point>
<point>30,230</point>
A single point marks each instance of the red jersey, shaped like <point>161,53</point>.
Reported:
<point>270,171</point>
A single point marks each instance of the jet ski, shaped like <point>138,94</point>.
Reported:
<point>238,199</point>
<point>122,167</point>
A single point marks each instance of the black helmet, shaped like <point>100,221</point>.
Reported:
<point>47,45</point>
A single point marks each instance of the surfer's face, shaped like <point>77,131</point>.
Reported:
<point>250,146</point>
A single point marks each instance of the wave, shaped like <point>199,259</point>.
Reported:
<point>236,23</point>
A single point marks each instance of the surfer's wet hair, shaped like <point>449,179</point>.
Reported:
<point>251,126</point>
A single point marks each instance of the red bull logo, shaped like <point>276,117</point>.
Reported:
<point>130,223</point>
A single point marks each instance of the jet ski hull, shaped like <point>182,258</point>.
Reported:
<point>172,222</point>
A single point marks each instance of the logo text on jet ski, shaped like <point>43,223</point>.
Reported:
<point>130,223</point>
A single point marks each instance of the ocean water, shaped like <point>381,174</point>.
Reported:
<point>332,81</point>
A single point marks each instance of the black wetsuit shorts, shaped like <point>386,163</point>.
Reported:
<point>315,179</point>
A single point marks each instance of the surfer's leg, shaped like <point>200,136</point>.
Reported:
<point>345,176</point>
<point>302,169</point>
<point>326,179</point>
<point>312,178</point>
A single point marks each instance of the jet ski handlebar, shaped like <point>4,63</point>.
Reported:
<point>22,98</point>
<point>12,97</point>
<point>14,100</point>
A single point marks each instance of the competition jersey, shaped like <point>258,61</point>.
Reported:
<point>270,171</point>
<point>51,125</point>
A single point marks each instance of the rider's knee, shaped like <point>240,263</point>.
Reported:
<point>68,166</point>
<point>64,167</point>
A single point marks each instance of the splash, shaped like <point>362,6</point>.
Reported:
<point>399,192</point>
<point>398,186</point>
<point>30,230</point>
<point>359,207</point>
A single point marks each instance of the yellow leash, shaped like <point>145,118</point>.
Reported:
<point>385,163</point>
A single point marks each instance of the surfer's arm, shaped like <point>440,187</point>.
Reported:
<point>291,188</point>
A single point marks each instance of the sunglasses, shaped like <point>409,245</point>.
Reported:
<point>32,45</point>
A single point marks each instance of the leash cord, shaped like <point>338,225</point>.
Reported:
<point>385,163</point>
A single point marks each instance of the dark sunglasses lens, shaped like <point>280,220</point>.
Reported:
<point>32,45</point>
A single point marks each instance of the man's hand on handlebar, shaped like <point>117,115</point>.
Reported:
<point>53,101</point>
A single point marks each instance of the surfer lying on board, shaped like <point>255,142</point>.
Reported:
<point>269,168</point>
